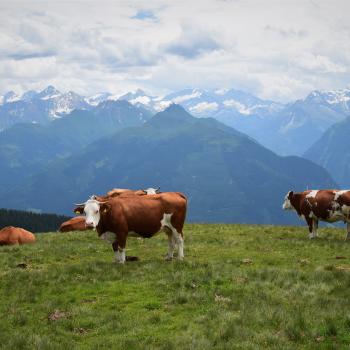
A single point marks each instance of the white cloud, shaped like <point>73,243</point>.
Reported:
<point>204,107</point>
<point>276,50</point>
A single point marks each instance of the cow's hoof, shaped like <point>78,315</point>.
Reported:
<point>168,258</point>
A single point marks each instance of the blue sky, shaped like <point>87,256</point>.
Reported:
<point>279,50</point>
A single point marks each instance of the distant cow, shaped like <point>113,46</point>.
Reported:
<point>15,235</point>
<point>74,224</point>
<point>142,216</point>
<point>324,205</point>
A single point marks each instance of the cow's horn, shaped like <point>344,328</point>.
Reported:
<point>79,204</point>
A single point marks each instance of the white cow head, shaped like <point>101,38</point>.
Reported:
<point>287,205</point>
<point>93,209</point>
<point>152,190</point>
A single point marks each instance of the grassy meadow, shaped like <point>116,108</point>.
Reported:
<point>239,287</point>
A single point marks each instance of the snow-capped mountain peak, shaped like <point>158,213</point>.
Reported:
<point>9,97</point>
<point>48,92</point>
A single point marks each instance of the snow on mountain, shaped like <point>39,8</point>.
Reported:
<point>98,98</point>
<point>9,97</point>
<point>47,93</point>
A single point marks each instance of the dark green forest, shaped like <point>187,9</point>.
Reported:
<point>31,221</point>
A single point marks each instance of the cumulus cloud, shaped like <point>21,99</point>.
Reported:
<point>192,42</point>
<point>274,50</point>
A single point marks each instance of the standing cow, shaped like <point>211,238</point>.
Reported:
<point>324,205</point>
<point>144,216</point>
<point>15,235</point>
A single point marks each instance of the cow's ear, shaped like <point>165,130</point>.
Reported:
<point>78,210</point>
<point>105,208</point>
<point>290,194</point>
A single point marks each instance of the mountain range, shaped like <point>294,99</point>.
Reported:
<point>287,129</point>
<point>227,175</point>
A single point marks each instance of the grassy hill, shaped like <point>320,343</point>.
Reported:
<point>240,287</point>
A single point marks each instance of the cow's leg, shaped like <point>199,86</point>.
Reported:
<point>115,249</point>
<point>180,243</point>
<point>309,222</point>
<point>348,230</point>
<point>314,228</point>
<point>120,252</point>
<point>171,244</point>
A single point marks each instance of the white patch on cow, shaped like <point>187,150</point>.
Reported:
<point>92,212</point>
<point>287,205</point>
<point>312,194</point>
<point>108,236</point>
<point>171,246</point>
<point>176,236</point>
<point>302,216</point>
<point>346,211</point>
<point>120,256</point>
<point>335,215</point>
<point>311,215</point>
<point>151,190</point>
<point>339,193</point>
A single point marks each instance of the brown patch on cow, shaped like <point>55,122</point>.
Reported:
<point>57,315</point>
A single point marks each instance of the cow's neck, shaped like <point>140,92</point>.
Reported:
<point>296,202</point>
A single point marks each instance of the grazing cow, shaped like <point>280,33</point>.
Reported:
<point>74,224</point>
<point>142,216</point>
<point>15,235</point>
<point>324,205</point>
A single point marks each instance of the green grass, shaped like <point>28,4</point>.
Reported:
<point>239,287</point>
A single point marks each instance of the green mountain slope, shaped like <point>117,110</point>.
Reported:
<point>26,148</point>
<point>332,151</point>
<point>227,176</point>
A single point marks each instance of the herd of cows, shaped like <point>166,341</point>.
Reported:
<point>122,213</point>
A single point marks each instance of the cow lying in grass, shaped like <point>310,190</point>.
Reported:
<point>74,224</point>
<point>119,217</point>
<point>15,235</point>
<point>323,205</point>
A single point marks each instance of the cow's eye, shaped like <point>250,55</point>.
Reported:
<point>96,211</point>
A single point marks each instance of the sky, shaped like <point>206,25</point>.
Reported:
<point>278,50</point>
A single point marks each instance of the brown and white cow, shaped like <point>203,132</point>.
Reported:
<point>74,224</point>
<point>320,205</point>
<point>15,235</point>
<point>143,216</point>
